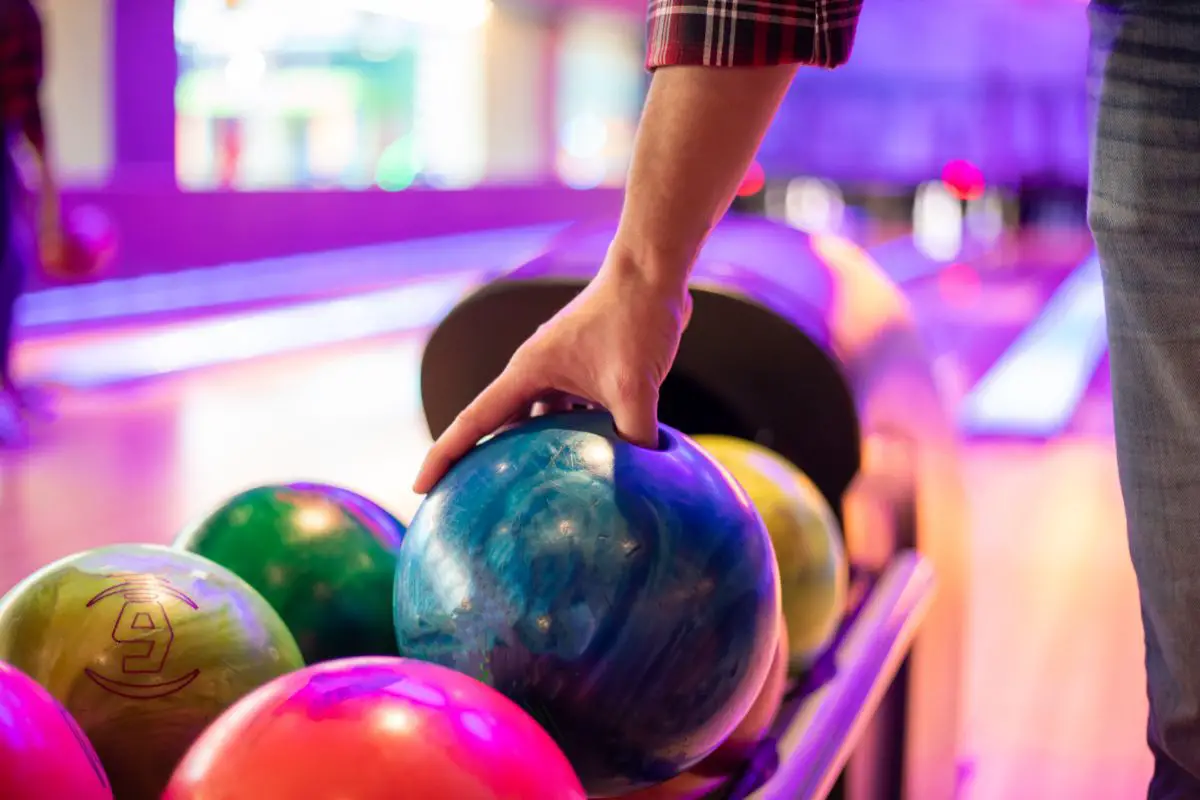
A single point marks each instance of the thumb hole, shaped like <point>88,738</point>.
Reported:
<point>637,422</point>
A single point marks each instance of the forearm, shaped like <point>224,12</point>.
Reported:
<point>43,183</point>
<point>33,127</point>
<point>699,133</point>
<point>35,134</point>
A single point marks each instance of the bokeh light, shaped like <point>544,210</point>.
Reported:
<point>754,181</point>
<point>964,180</point>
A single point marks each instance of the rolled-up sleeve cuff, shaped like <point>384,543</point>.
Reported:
<point>750,33</point>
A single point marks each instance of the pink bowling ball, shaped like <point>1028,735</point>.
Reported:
<point>89,245</point>
<point>43,753</point>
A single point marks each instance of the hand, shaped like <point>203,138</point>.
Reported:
<point>611,346</point>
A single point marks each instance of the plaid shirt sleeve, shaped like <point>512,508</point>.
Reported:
<point>751,33</point>
<point>21,65</point>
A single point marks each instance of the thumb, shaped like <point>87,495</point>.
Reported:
<point>636,417</point>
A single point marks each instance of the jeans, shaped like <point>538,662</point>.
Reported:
<point>12,257</point>
<point>1144,210</point>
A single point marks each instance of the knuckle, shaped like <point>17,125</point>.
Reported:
<point>526,360</point>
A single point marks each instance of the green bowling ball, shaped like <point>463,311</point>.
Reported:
<point>145,646</point>
<point>324,557</point>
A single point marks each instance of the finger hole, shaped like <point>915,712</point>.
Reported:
<point>665,442</point>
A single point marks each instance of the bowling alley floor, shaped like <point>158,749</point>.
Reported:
<point>146,439</point>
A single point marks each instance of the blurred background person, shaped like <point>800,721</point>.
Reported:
<point>25,209</point>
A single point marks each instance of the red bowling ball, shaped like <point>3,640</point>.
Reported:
<point>43,753</point>
<point>375,728</point>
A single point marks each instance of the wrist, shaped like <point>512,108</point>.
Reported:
<point>663,269</point>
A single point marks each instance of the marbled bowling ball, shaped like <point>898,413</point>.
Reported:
<point>627,598</point>
<point>43,754</point>
<point>730,760</point>
<point>375,729</point>
<point>323,557</point>
<point>145,646</point>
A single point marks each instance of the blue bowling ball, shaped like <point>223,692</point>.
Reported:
<point>627,598</point>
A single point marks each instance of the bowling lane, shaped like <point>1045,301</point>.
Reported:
<point>972,312</point>
<point>1055,686</point>
<point>134,463</point>
<point>1055,694</point>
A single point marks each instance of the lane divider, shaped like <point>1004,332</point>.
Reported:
<point>258,334</point>
<point>1036,386</point>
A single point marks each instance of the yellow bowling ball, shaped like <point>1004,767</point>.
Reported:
<point>808,542</point>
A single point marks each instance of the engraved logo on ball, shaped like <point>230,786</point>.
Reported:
<point>143,634</point>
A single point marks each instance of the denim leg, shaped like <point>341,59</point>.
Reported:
<point>1144,210</point>
<point>12,282</point>
<point>12,259</point>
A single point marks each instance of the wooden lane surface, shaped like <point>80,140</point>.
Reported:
<point>1056,702</point>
